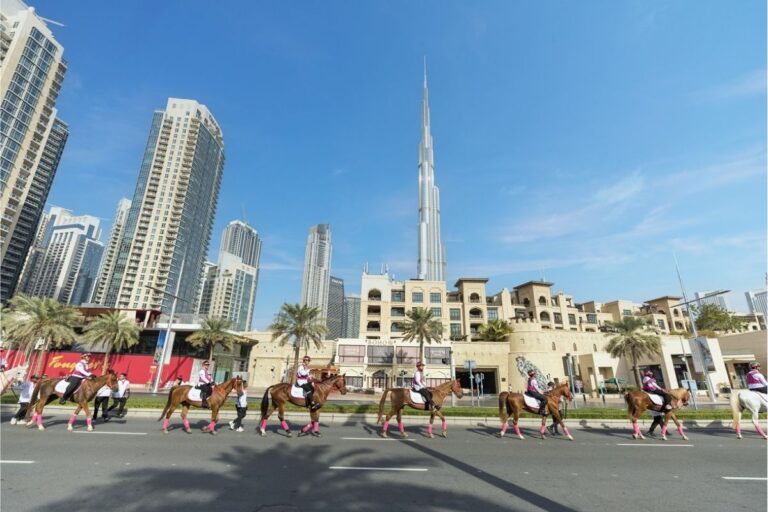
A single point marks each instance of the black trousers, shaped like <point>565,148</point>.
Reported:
<point>74,382</point>
<point>118,402</point>
<point>657,420</point>
<point>662,394</point>
<point>427,394</point>
<point>206,390</point>
<point>103,402</point>
<point>240,415</point>
<point>22,412</point>
<point>541,398</point>
<point>763,389</point>
<point>310,391</point>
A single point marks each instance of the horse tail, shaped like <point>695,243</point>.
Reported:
<point>265,402</point>
<point>381,404</point>
<point>167,404</point>
<point>736,409</point>
<point>504,402</point>
<point>630,405</point>
<point>33,399</point>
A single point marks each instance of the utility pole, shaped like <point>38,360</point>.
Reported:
<point>167,341</point>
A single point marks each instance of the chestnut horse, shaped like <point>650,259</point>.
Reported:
<point>281,394</point>
<point>638,402</point>
<point>178,396</point>
<point>400,397</point>
<point>510,404</point>
<point>45,393</point>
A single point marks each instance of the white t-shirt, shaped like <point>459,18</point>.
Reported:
<point>25,393</point>
<point>242,400</point>
<point>104,391</point>
<point>122,387</point>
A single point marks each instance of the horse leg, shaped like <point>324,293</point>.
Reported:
<point>679,425</point>
<point>400,424</point>
<point>211,427</point>
<point>184,420</point>
<point>265,418</point>
<point>88,419</point>
<point>516,423</point>
<point>385,423</point>
<point>504,419</point>
<point>756,422</point>
<point>559,419</point>
<point>431,422</point>
<point>283,423</point>
<point>73,418</point>
<point>314,416</point>
<point>664,426</point>
<point>543,427</point>
<point>444,423</point>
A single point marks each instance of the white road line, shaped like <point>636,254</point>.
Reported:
<point>112,433</point>
<point>17,462</point>
<point>365,468</point>
<point>375,439</point>
<point>657,444</point>
<point>744,478</point>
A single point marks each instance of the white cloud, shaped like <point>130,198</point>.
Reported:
<point>750,84</point>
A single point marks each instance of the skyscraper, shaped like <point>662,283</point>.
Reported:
<point>431,263</point>
<point>317,268</point>
<point>67,265</point>
<point>31,137</point>
<point>108,261</point>
<point>335,318</point>
<point>351,317</point>
<point>229,288</point>
<point>168,228</point>
<point>710,297</point>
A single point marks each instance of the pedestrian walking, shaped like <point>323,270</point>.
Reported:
<point>102,400</point>
<point>25,395</point>
<point>241,405</point>
<point>120,397</point>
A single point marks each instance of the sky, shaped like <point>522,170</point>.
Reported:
<point>584,143</point>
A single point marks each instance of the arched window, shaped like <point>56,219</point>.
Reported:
<point>474,298</point>
<point>542,301</point>
<point>594,347</point>
<point>574,348</point>
<point>544,316</point>
<point>374,294</point>
<point>526,302</point>
<point>475,313</point>
<point>554,347</point>
<point>373,326</point>
<point>676,312</point>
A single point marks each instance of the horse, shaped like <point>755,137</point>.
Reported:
<point>745,399</point>
<point>178,396</point>
<point>281,394</point>
<point>510,404</point>
<point>400,397</point>
<point>638,402</point>
<point>7,377</point>
<point>45,393</point>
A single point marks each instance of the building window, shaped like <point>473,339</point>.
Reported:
<point>397,312</point>
<point>660,321</point>
<point>435,297</point>
<point>626,312</point>
<point>554,347</point>
<point>417,297</point>
<point>380,355</point>
<point>374,295</point>
<point>436,355</point>
<point>398,296</point>
<point>351,353</point>
<point>544,316</point>
<point>574,348</point>
<point>493,314</point>
<point>594,347</point>
<point>407,355</point>
<point>542,301</point>
<point>455,314</point>
<point>396,327</point>
<point>571,319</point>
<point>437,312</point>
<point>455,330</point>
<point>591,318</point>
<point>558,318</point>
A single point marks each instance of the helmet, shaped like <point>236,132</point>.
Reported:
<point>648,373</point>
<point>206,363</point>
<point>307,358</point>
<point>420,363</point>
<point>86,354</point>
<point>531,373</point>
<point>754,364</point>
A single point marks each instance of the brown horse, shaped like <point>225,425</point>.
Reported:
<point>638,402</point>
<point>281,394</point>
<point>510,404</point>
<point>400,397</point>
<point>178,396</point>
<point>45,393</point>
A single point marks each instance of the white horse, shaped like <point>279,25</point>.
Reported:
<point>7,377</point>
<point>742,399</point>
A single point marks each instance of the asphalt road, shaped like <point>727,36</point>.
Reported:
<point>128,464</point>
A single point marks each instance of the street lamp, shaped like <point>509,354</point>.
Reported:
<point>166,342</point>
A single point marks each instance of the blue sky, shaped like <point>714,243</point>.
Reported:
<point>584,142</point>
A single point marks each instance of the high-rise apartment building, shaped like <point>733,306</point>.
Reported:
<point>67,263</point>
<point>351,317</point>
<point>229,288</point>
<point>710,297</point>
<point>168,228</point>
<point>207,280</point>
<point>758,303</point>
<point>31,137</point>
<point>335,318</point>
<point>317,268</point>
<point>109,259</point>
<point>431,263</point>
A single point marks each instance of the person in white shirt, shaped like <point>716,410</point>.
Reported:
<point>120,397</point>
<point>25,395</point>
<point>241,405</point>
<point>304,381</point>
<point>205,384</point>
<point>102,401</point>
<point>419,385</point>
<point>81,371</point>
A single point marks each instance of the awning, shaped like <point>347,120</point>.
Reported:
<point>738,358</point>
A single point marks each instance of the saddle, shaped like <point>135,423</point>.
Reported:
<point>194,394</point>
<point>416,397</point>
<point>298,392</point>
<point>531,402</point>
<point>61,386</point>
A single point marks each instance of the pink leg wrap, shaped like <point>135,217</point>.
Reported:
<point>263,425</point>
<point>680,431</point>
<point>166,422</point>
<point>517,429</point>
<point>445,425</point>
<point>738,429</point>
<point>71,420</point>
<point>541,429</point>
<point>663,430</point>
<point>565,429</point>
<point>760,429</point>
<point>401,426</point>
<point>89,421</point>
<point>307,427</point>
<point>429,428</point>
<point>316,426</point>
<point>504,428</point>
<point>386,426</point>
<point>212,426</point>
<point>38,419</point>
<point>185,421</point>
<point>635,428</point>
<point>284,424</point>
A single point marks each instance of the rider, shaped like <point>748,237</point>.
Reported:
<point>80,372</point>
<point>650,386</point>
<point>205,383</point>
<point>534,391</point>
<point>419,386</point>
<point>304,381</point>
<point>755,379</point>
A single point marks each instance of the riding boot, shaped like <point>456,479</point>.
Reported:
<point>205,403</point>
<point>543,410</point>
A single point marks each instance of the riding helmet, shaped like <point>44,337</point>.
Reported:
<point>531,373</point>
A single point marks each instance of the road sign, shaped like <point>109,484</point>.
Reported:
<point>470,364</point>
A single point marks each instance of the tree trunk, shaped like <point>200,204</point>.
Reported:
<point>41,358</point>
<point>295,362</point>
<point>635,371</point>
<point>421,349</point>
<point>105,364</point>
<point>210,353</point>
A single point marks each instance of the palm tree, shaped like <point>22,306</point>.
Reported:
<point>29,319</point>
<point>115,331</point>
<point>215,331</point>
<point>628,342</point>
<point>495,330</point>
<point>299,324</point>
<point>422,326</point>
